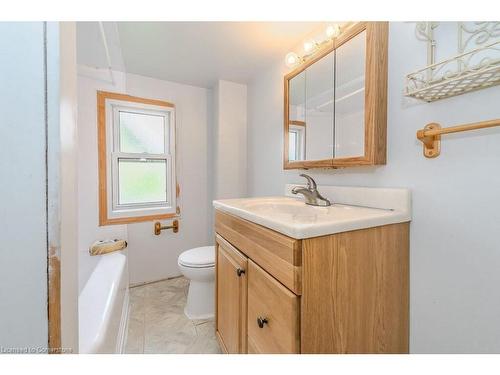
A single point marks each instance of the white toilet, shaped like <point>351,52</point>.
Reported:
<point>198,265</point>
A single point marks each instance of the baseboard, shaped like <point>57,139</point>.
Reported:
<point>134,285</point>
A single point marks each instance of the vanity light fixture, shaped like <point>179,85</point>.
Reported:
<point>332,31</point>
<point>308,46</point>
<point>292,59</point>
<point>311,46</point>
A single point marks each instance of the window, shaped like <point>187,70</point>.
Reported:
<point>296,141</point>
<point>136,159</point>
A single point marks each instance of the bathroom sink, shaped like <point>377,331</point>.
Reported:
<point>292,217</point>
<point>278,205</point>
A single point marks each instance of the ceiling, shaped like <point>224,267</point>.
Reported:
<point>194,53</point>
<point>90,47</point>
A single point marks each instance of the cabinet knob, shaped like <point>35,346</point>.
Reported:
<point>261,321</point>
<point>240,271</point>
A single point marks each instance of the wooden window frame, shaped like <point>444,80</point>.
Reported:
<point>102,145</point>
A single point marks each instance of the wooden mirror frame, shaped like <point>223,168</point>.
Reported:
<point>375,98</point>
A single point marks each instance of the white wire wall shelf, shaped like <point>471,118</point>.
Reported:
<point>468,71</point>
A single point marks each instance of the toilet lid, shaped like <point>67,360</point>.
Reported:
<point>198,257</point>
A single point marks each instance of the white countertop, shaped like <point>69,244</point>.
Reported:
<point>294,218</point>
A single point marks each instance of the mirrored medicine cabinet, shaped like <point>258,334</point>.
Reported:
<point>335,103</point>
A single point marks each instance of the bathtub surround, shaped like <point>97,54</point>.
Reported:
<point>454,250</point>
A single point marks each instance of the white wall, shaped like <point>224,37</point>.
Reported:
<point>68,184</point>
<point>23,225</point>
<point>38,164</point>
<point>230,136</point>
<point>89,81</point>
<point>227,145</point>
<point>155,257</point>
<point>150,257</point>
<point>455,258</point>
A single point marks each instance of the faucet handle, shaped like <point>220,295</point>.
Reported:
<point>311,184</point>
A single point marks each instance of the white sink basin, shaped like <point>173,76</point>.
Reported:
<point>294,218</point>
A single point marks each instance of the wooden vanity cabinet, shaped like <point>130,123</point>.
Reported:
<point>273,314</point>
<point>231,300</point>
<point>341,293</point>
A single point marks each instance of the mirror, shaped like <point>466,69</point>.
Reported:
<point>297,122</point>
<point>330,120</point>
<point>350,98</point>
<point>311,112</point>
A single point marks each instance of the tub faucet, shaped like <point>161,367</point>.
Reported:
<point>311,193</point>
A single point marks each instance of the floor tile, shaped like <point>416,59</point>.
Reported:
<point>157,323</point>
<point>135,336</point>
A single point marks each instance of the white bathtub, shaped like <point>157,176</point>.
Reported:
<point>103,306</point>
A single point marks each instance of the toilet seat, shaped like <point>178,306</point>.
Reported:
<point>199,257</point>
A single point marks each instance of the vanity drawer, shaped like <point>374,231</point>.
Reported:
<point>278,254</point>
<point>273,314</point>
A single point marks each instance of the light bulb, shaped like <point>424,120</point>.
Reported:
<point>308,46</point>
<point>291,59</point>
<point>333,31</point>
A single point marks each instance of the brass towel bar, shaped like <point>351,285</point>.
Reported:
<point>159,227</point>
<point>430,135</point>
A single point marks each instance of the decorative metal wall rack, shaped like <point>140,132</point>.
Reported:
<point>476,66</point>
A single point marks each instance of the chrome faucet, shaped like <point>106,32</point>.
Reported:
<point>311,193</point>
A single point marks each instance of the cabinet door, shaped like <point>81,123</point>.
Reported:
<point>335,112</point>
<point>349,129</point>
<point>231,297</point>
<point>273,314</point>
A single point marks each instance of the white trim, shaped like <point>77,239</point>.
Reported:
<point>123,330</point>
<point>300,145</point>
<point>114,208</point>
<point>106,50</point>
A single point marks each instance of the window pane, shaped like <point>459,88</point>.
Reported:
<point>292,146</point>
<point>142,133</point>
<point>142,181</point>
